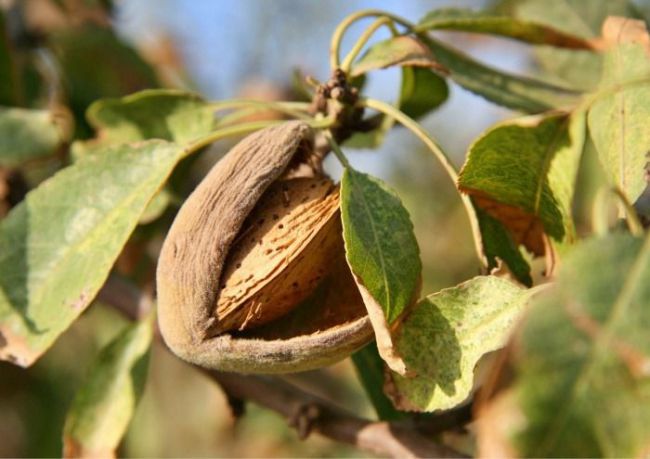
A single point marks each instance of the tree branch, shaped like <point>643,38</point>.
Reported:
<point>306,412</point>
<point>303,411</point>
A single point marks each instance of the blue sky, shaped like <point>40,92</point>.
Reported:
<point>226,43</point>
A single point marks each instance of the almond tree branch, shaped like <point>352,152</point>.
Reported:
<point>303,411</point>
<point>307,413</point>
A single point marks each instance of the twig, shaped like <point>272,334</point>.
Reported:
<point>303,411</point>
<point>306,412</point>
<point>453,419</point>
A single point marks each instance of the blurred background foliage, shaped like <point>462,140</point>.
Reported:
<point>64,54</point>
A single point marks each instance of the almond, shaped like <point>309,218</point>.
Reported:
<point>283,251</point>
<point>252,276</point>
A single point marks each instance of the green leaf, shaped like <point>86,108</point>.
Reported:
<point>519,93</point>
<point>371,139</point>
<point>379,241</point>
<point>515,92</point>
<point>618,118</point>
<point>382,252</point>
<point>481,22</point>
<point>27,134</point>
<point>581,361</point>
<point>523,173</point>
<point>497,243</point>
<point>446,334</point>
<point>104,405</point>
<point>153,114</point>
<point>421,92</point>
<point>404,51</point>
<point>370,370</point>
<point>57,247</point>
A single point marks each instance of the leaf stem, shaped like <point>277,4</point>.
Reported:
<point>337,36</point>
<point>416,129</point>
<point>295,109</point>
<point>245,128</point>
<point>361,42</point>
<point>419,132</point>
<point>336,149</point>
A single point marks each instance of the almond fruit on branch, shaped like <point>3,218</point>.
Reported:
<point>252,275</point>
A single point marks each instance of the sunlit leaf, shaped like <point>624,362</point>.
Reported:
<point>57,247</point>
<point>482,22</point>
<point>27,134</point>
<point>445,335</point>
<point>580,363</point>
<point>523,172</point>
<point>379,240</point>
<point>618,118</point>
<point>381,250</point>
<point>104,405</point>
